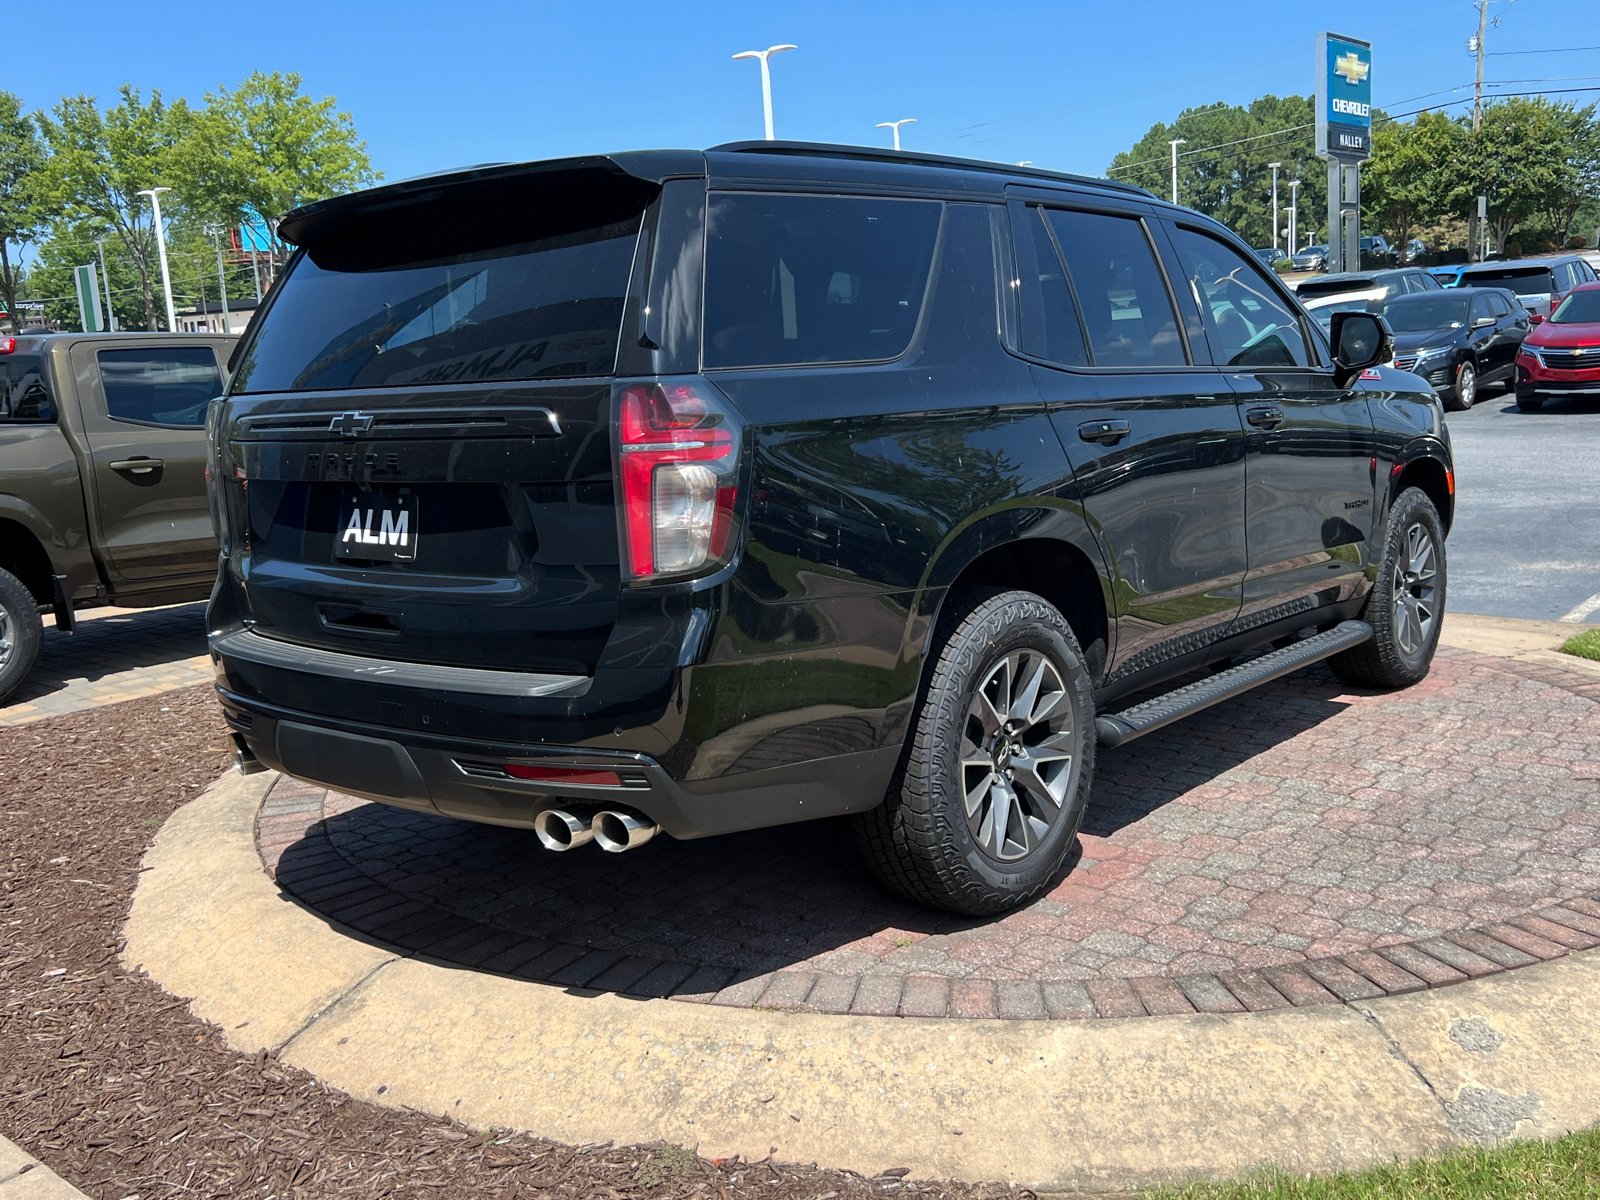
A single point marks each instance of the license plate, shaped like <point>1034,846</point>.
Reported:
<point>376,527</point>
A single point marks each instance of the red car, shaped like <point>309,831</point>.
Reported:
<point>1561,356</point>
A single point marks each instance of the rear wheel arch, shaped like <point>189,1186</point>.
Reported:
<point>22,554</point>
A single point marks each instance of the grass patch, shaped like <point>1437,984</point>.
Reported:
<point>669,1165</point>
<point>1568,1166</point>
<point>1585,645</point>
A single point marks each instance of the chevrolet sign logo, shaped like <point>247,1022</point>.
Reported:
<point>1351,67</point>
<point>351,423</point>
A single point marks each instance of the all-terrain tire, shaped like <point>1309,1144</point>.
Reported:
<point>1406,605</point>
<point>920,841</point>
<point>21,632</point>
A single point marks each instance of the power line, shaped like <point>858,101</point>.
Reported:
<point>1558,50</point>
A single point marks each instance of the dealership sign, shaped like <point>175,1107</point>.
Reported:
<point>1344,98</point>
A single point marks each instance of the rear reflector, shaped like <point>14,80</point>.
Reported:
<point>583,775</point>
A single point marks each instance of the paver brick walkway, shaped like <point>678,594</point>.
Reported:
<point>1302,844</point>
<point>115,654</point>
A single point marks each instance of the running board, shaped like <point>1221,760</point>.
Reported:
<point>1117,729</point>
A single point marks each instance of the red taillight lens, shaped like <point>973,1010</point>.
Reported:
<point>594,777</point>
<point>678,447</point>
<point>8,345</point>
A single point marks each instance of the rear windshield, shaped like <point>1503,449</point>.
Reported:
<point>1333,287</point>
<point>1526,280</point>
<point>1579,308</point>
<point>545,307</point>
<point>24,395</point>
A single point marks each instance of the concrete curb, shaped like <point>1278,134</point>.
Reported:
<point>23,1177</point>
<point>1059,1106</point>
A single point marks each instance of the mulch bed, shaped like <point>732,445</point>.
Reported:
<point>114,1085</point>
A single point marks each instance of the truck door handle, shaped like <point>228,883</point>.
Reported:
<point>1265,418</point>
<point>1107,433</point>
<point>138,466</point>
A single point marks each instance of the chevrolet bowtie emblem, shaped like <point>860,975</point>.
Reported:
<point>351,423</point>
<point>1351,67</point>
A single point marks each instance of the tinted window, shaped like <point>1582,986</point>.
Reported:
<point>549,307</point>
<point>23,393</point>
<point>1406,315</point>
<point>1248,324</point>
<point>1050,326</point>
<point>1499,305</point>
<point>1120,290</point>
<point>814,279</point>
<point>1524,281</point>
<point>166,386</point>
<point>1481,308</point>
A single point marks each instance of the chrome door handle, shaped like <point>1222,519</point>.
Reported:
<point>1265,418</point>
<point>138,466</point>
<point>1107,433</point>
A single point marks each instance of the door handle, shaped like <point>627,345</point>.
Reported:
<point>1265,418</point>
<point>1107,433</point>
<point>138,466</point>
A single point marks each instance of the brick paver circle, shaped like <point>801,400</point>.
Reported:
<point>1302,844</point>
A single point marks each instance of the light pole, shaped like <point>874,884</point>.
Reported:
<point>895,125</point>
<point>222,280</point>
<point>161,248</point>
<point>105,280</point>
<point>766,79</point>
<point>1275,167</point>
<point>1294,214</point>
<point>1175,143</point>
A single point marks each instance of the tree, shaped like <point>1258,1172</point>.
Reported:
<point>1522,158</point>
<point>1411,175</point>
<point>100,162</point>
<point>20,159</point>
<point>256,152</point>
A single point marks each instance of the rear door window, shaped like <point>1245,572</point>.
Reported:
<point>1482,308</point>
<point>24,395</point>
<point>1247,322</point>
<point>1050,326</point>
<point>1120,290</point>
<point>793,280</point>
<point>169,385</point>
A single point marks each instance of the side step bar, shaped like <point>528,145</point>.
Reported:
<point>1119,728</point>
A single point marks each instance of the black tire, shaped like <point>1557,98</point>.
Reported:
<point>1406,605</point>
<point>1463,390</point>
<point>21,632</point>
<point>921,841</point>
<point>1530,403</point>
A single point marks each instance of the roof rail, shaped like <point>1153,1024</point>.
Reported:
<point>875,154</point>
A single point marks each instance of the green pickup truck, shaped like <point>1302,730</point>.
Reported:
<point>102,478</point>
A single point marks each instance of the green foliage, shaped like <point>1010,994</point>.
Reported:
<point>1409,180</point>
<point>20,157</point>
<point>50,278</point>
<point>668,1165</point>
<point>1554,1170</point>
<point>1585,645</point>
<point>1533,158</point>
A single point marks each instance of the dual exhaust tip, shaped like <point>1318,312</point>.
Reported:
<point>611,829</point>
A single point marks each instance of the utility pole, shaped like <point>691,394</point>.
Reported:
<point>766,79</point>
<point>895,125</point>
<point>1275,167</point>
<point>1474,233</point>
<point>1175,143</point>
<point>161,247</point>
<point>105,280</point>
<point>222,281</point>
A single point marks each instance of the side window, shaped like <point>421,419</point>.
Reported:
<point>1248,324</point>
<point>1119,289</point>
<point>1481,308</point>
<point>1499,305</point>
<point>1050,326</point>
<point>160,386</point>
<point>814,279</point>
<point>23,394</point>
<point>1415,283</point>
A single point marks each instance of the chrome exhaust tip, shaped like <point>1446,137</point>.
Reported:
<point>559,830</point>
<point>244,760</point>
<point>619,831</point>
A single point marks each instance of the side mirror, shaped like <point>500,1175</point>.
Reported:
<point>1360,340</point>
<point>1481,322</point>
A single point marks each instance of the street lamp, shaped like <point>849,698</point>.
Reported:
<point>895,125</point>
<point>1175,143</point>
<point>161,247</point>
<point>1275,167</point>
<point>766,79</point>
<point>1294,214</point>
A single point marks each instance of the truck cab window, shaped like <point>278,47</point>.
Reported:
<point>23,394</point>
<point>166,386</point>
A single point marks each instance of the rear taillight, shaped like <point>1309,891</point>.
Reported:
<point>678,452</point>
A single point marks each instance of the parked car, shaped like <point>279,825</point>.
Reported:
<point>1376,252</point>
<point>1459,341</point>
<point>1415,249</point>
<point>1561,357</point>
<point>102,478</point>
<point>1270,255</point>
<point>1348,291</point>
<point>703,491</point>
<point>1538,282</point>
<point>1312,258</point>
<point>1449,276</point>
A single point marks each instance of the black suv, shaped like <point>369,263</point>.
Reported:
<point>707,491</point>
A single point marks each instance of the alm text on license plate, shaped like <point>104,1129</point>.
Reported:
<point>377,527</point>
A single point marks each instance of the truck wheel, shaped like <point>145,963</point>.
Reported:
<point>1406,605</point>
<point>996,771</point>
<point>21,631</point>
<point>1464,391</point>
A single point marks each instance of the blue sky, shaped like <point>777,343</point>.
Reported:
<point>1066,85</point>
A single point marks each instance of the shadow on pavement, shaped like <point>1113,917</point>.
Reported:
<point>109,641</point>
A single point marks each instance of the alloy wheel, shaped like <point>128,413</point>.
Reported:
<point>1017,755</point>
<point>1467,385</point>
<point>1415,585</point>
<point>8,636</point>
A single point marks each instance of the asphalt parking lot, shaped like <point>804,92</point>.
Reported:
<point>1526,541</point>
